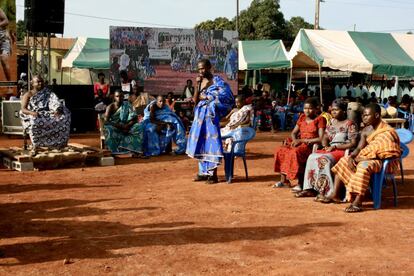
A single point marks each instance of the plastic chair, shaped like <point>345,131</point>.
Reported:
<point>409,117</point>
<point>405,135</point>
<point>240,138</point>
<point>379,179</point>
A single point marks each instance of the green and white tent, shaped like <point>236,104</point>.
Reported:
<point>88,53</point>
<point>262,54</point>
<point>363,52</point>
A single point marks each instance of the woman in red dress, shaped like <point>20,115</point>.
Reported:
<point>290,159</point>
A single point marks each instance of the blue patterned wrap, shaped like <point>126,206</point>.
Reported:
<point>155,143</point>
<point>204,141</point>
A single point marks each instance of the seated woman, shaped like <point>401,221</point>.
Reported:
<point>162,126</point>
<point>44,117</point>
<point>122,132</point>
<point>290,159</point>
<point>341,134</point>
<point>170,101</point>
<point>241,116</point>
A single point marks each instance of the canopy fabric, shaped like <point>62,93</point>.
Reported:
<point>262,54</point>
<point>363,52</point>
<point>91,53</point>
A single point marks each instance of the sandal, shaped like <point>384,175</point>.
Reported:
<point>296,189</point>
<point>327,200</point>
<point>305,193</point>
<point>279,184</point>
<point>212,180</point>
<point>200,178</point>
<point>319,197</point>
<point>353,209</point>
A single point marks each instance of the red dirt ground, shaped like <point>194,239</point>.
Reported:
<point>146,217</point>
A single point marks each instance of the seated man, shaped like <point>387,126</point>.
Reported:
<point>44,117</point>
<point>122,132</point>
<point>162,126</point>
<point>379,141</point>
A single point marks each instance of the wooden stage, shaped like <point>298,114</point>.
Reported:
<point>74,155</point>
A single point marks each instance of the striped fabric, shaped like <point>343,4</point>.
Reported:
<point>363,52</point>
<point>382,143</point>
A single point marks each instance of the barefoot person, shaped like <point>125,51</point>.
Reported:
<point>44,117</point>
<point>214,100</point>
<point>378,142</point>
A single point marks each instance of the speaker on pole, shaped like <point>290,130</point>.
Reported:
<point>44,16</point>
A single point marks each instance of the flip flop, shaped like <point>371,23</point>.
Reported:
<point>353,209</point>
<point>279,185</point>
<point>305,193</point>
<point>318,198</point>
<point>327,200</point>
<point>296,189</point>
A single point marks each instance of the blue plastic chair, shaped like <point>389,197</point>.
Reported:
<point>241,136</point>
<point>378,180</point>
<point>409,117</point>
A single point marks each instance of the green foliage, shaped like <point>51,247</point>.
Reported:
<point>21,30</point>
<point>220,23</point>
<point>262,20</point>
<point>294,25</point>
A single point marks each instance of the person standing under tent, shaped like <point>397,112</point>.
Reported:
<point>214,100</point>
<point>101,85</point>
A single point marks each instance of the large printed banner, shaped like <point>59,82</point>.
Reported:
<point>8,60</point>
<point>162,60</point>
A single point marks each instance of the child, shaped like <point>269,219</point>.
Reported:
<point>184,119</point>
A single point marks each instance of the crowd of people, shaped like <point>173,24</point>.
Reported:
<point>326,151</point>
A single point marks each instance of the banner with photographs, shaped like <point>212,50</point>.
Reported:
<point>8,60</point>
<point>163,59</point>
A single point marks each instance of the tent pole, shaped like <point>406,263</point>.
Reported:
<point>90,75</point>
<point>396,89</point>
<point>290,85</point>
<point>382,86</point>
<point>320,86</point>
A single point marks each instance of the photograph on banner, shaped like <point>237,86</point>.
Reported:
<point>162,59</point>
<point>8,60</point>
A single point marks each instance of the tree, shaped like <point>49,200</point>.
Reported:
<point>21,30</point>
<point>220,23</point>
<point>262,20</point>
<point>294,25</point>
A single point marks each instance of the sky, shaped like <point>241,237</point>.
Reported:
<point>92,18</point>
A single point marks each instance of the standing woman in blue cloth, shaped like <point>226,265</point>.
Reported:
<point>214,100</point>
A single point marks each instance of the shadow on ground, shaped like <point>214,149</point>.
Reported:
<point>97,239</point>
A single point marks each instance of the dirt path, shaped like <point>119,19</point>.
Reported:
<point>148,217</point>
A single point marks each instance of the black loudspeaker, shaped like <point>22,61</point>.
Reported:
<point>44,16</point>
